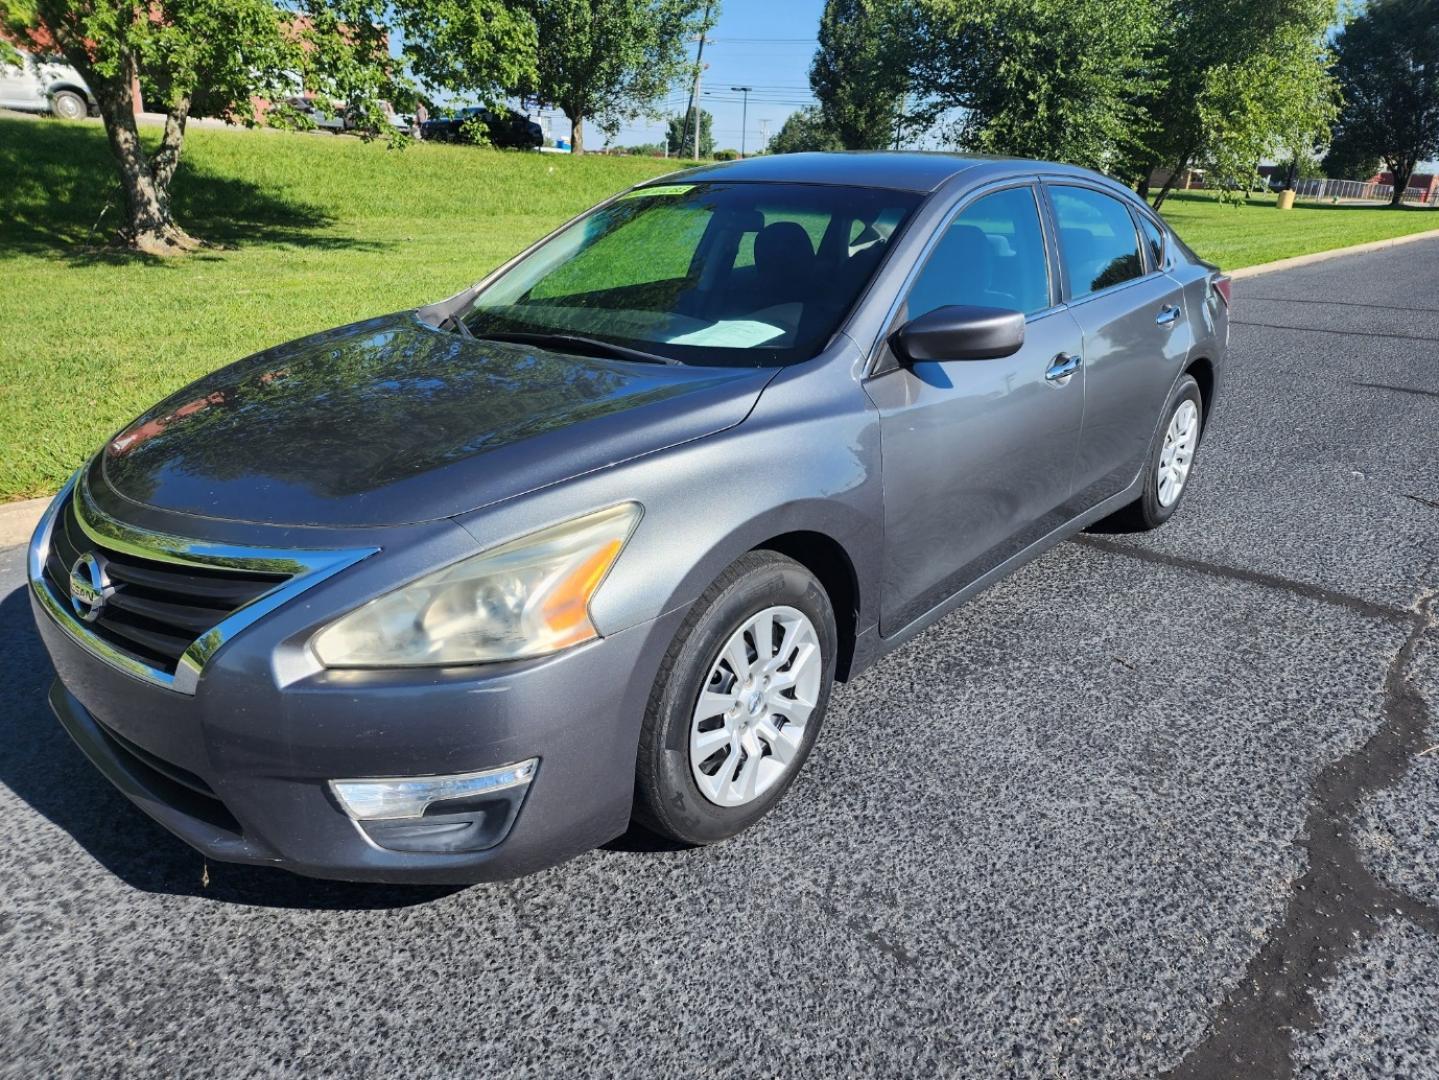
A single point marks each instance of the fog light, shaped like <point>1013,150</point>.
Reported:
<point>412,796</point>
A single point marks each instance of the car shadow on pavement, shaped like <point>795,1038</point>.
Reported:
<point>44,769</point>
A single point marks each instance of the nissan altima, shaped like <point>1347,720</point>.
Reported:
<point>460,592</point>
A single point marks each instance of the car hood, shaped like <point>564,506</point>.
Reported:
<point>391,421</point>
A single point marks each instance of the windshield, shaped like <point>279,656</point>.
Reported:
<point>731,274</point>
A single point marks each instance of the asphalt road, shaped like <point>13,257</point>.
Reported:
<point>1149,805</point>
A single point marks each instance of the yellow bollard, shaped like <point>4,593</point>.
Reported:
<point>1286,199</point>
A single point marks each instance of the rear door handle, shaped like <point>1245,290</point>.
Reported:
<point>1062,366</point>
<point>1168,315</point>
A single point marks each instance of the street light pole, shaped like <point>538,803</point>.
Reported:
<point>744,123</point>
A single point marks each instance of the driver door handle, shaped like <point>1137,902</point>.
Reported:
<point>1062,366</point>
<point>1168,315</point>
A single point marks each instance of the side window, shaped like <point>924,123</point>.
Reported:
<point>1154,236</point>
<point>1097,243</point>
<point>991,255</point>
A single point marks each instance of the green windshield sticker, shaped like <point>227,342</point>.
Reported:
<point>662,189</point>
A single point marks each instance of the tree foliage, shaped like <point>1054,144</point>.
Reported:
<point>234,51</point>
<point>860,71</point>
<point>1277,102</point>
<point>610,60</point>
<point>1223,72</point>
<point>804,130</point>
<point>679,135</point>
<point>1388,71</point>
<point>1055,79</point>
<point>477,48</point>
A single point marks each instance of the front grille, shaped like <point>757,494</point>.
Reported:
<point>158,608</point>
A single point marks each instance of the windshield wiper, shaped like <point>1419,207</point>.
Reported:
<point>575,343</point>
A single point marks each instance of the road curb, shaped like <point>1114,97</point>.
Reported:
<point>1325,256</point>
<point>17,520</point>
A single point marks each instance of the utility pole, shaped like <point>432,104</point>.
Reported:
<point>695,90</point>
<point>744,123</point>
<point>764,133</point>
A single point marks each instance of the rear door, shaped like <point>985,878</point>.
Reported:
<point>1136,333</point>
<point>19,86</point>
<point>977,453</point>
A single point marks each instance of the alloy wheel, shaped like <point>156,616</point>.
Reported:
<point>749,723</point>
<point>1177,455</point>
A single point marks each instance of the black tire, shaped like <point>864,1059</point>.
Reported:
<point>1147,512</point>
<point>668,801</point>
<point>68,105</point>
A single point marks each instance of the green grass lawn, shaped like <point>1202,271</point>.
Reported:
<point>1254,231</point>
<point>313,231</point>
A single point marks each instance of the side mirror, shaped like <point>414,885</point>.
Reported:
<point>961,332</point>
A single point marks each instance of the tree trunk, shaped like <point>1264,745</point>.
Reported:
<point>150,228</point>
<point>577,131</point>
<point>1400,172</point>
<point>1169,183</point>
<point>1142,187</point>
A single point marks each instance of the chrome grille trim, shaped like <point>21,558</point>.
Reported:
<point>306,567</point>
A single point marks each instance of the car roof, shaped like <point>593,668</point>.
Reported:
<point>904,170</point>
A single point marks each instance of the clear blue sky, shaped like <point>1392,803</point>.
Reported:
<point>766,44</point>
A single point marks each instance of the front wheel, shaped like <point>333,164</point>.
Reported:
<point>738,701</point>
<point>68,105</point>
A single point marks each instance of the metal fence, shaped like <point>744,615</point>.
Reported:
<point>1355,190</point>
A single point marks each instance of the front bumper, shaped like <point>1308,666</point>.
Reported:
<point>240,770</point>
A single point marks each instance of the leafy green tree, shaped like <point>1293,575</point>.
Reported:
<point>679,135</point>
<point>1279,102</point>
<point>235,50</point>
<point>804,130</point>
<point>1053,79</point>
<point>1388,71</point>
<point>474,48</point>
<point>610,60</point>
<point>859,73</point>
<point>1217,68</point>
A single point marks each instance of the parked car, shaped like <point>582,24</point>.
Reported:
<point>45,84</point>
<point>456,593</point>
<point>393,119</point>
<point>507,129</point>
<point>332,119</point>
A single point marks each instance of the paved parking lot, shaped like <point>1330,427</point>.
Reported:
<point>1150,805</point>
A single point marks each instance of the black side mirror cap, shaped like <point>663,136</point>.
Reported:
<point>960,332</point>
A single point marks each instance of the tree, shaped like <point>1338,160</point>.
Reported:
<point>475,48</point>
<point>859,73</point>
<point>804,130</point>
<point>1279,102</point>
<point>1217,68</point>
<point>610,60</point>
<point>679,134</point>
<point>1053,79</point>
<point>1388,71</point>
<point>236,50</point>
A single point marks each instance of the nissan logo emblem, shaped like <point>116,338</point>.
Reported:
<point>89,586</point>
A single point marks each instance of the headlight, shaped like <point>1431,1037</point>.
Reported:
<point>527,598</point>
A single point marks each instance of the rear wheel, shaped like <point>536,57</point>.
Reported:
<point>68,105</point>
<point>1170,463</point>
<point>738,702</point>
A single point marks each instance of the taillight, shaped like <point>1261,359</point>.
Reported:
<point>1223,285</point>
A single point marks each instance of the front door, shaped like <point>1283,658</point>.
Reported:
<point>977,454</point>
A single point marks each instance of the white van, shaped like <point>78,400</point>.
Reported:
<point>44,84</point>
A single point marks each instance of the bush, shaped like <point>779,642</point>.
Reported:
<point>726,155</point>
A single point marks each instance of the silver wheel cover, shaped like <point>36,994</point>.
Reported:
<point>1177,455</point>
<point>749,722</point>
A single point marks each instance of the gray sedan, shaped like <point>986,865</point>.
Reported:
<point>457,593</point>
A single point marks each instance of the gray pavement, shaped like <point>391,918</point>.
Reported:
<point>1117,817</point>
